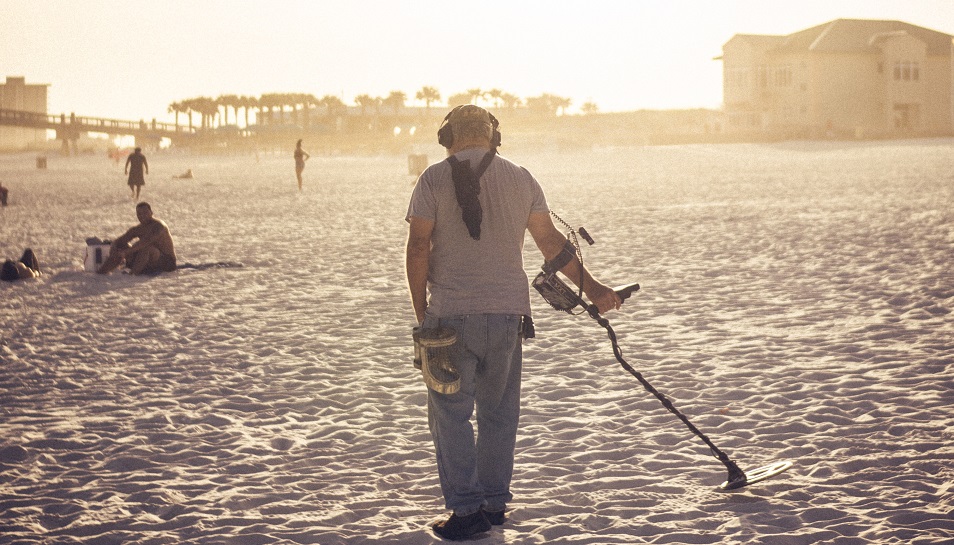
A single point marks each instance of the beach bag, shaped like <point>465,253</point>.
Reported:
<point>96,253</point>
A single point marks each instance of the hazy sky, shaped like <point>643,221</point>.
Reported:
<point>130,59</point>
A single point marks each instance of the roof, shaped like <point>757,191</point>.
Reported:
<point>762,40</point>
<point>851,36</point>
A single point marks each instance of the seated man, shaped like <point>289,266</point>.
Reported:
<point>27,267</point>
<point>152,253</point>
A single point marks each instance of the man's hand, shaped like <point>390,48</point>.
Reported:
<point>604,297</point>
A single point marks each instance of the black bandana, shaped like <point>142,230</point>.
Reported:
<point>467,187</point>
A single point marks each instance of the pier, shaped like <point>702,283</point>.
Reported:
<point>69,128</point>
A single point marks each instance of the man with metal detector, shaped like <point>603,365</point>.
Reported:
<point>468,216</point>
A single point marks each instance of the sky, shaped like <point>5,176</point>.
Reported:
<point>130,59</point>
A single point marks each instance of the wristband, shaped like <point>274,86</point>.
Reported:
<point>566,255</point>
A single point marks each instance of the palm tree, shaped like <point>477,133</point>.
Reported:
<point>334,105</point>
<point>265,103</point>
<point>496,95</point>
<point>208,108</point>
<point>589,107</point>
<point>365,102</point>
<point>295,100</point>
<point>541,105</point>
<point>308,101</point>
<point>271,101</point>
<point>335,109</point>
<point>284,100</point>
<point>177,108</point>
<point>229,101</point>
<point>188,106</point>
<point>395,101</point>
<point>475,94</point>
<point>221,104</point>
<point>194,106</point>
<point>548,104</point>
<point>562,103</point>
<point>247,103</point>
<point>428,95</point>
<point>510,101</point>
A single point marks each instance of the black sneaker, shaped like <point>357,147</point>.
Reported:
<point>496,517</point>
<point>455,528</point>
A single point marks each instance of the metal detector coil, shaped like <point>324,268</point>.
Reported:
<point>432,348</point>
<point>755,475</point>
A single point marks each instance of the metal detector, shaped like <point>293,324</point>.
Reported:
<point>561,297</point>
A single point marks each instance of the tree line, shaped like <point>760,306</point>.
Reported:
<point>214,112</point>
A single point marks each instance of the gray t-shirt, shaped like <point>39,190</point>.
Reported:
<point>483,276</point>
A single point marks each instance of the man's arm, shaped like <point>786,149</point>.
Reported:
<point>550,241</point>
<point>145,164</point>
<point>128,159</point>
<point>127,237</point>
<point>118,251</point>
<point>418,263</point>
<point>148,234</point>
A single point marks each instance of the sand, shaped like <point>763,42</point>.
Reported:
<point>796,305</point>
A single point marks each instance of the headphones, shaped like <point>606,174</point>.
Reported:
<point>445,134</point>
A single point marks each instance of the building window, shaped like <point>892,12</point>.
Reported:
<point>783,76</point>
<point>907,71</point>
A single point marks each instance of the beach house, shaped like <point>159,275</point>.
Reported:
<point>17,94</point>
<point>844,78</point>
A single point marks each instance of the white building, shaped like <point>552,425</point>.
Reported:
<point>847,76</point>
<point>16,94</point>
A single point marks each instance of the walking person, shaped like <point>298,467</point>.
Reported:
<point>300,157</point>
<point>467,219</point>
<point>135,164</point>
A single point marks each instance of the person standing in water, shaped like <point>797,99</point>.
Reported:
<point>300,157</point>
<point>135,164</point>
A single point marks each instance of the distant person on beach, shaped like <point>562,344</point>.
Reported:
<point>3,195</point>
<point>468,216</point>
<point>135,164</point>
<point>152,253</point>
<point>300,157</point>
<point>27,267</point>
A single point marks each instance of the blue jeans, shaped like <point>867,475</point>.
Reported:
<point>489,357</point>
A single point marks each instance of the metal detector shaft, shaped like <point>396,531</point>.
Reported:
<point>737,477</point>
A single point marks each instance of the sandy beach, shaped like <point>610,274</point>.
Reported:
<point>796,305</point>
